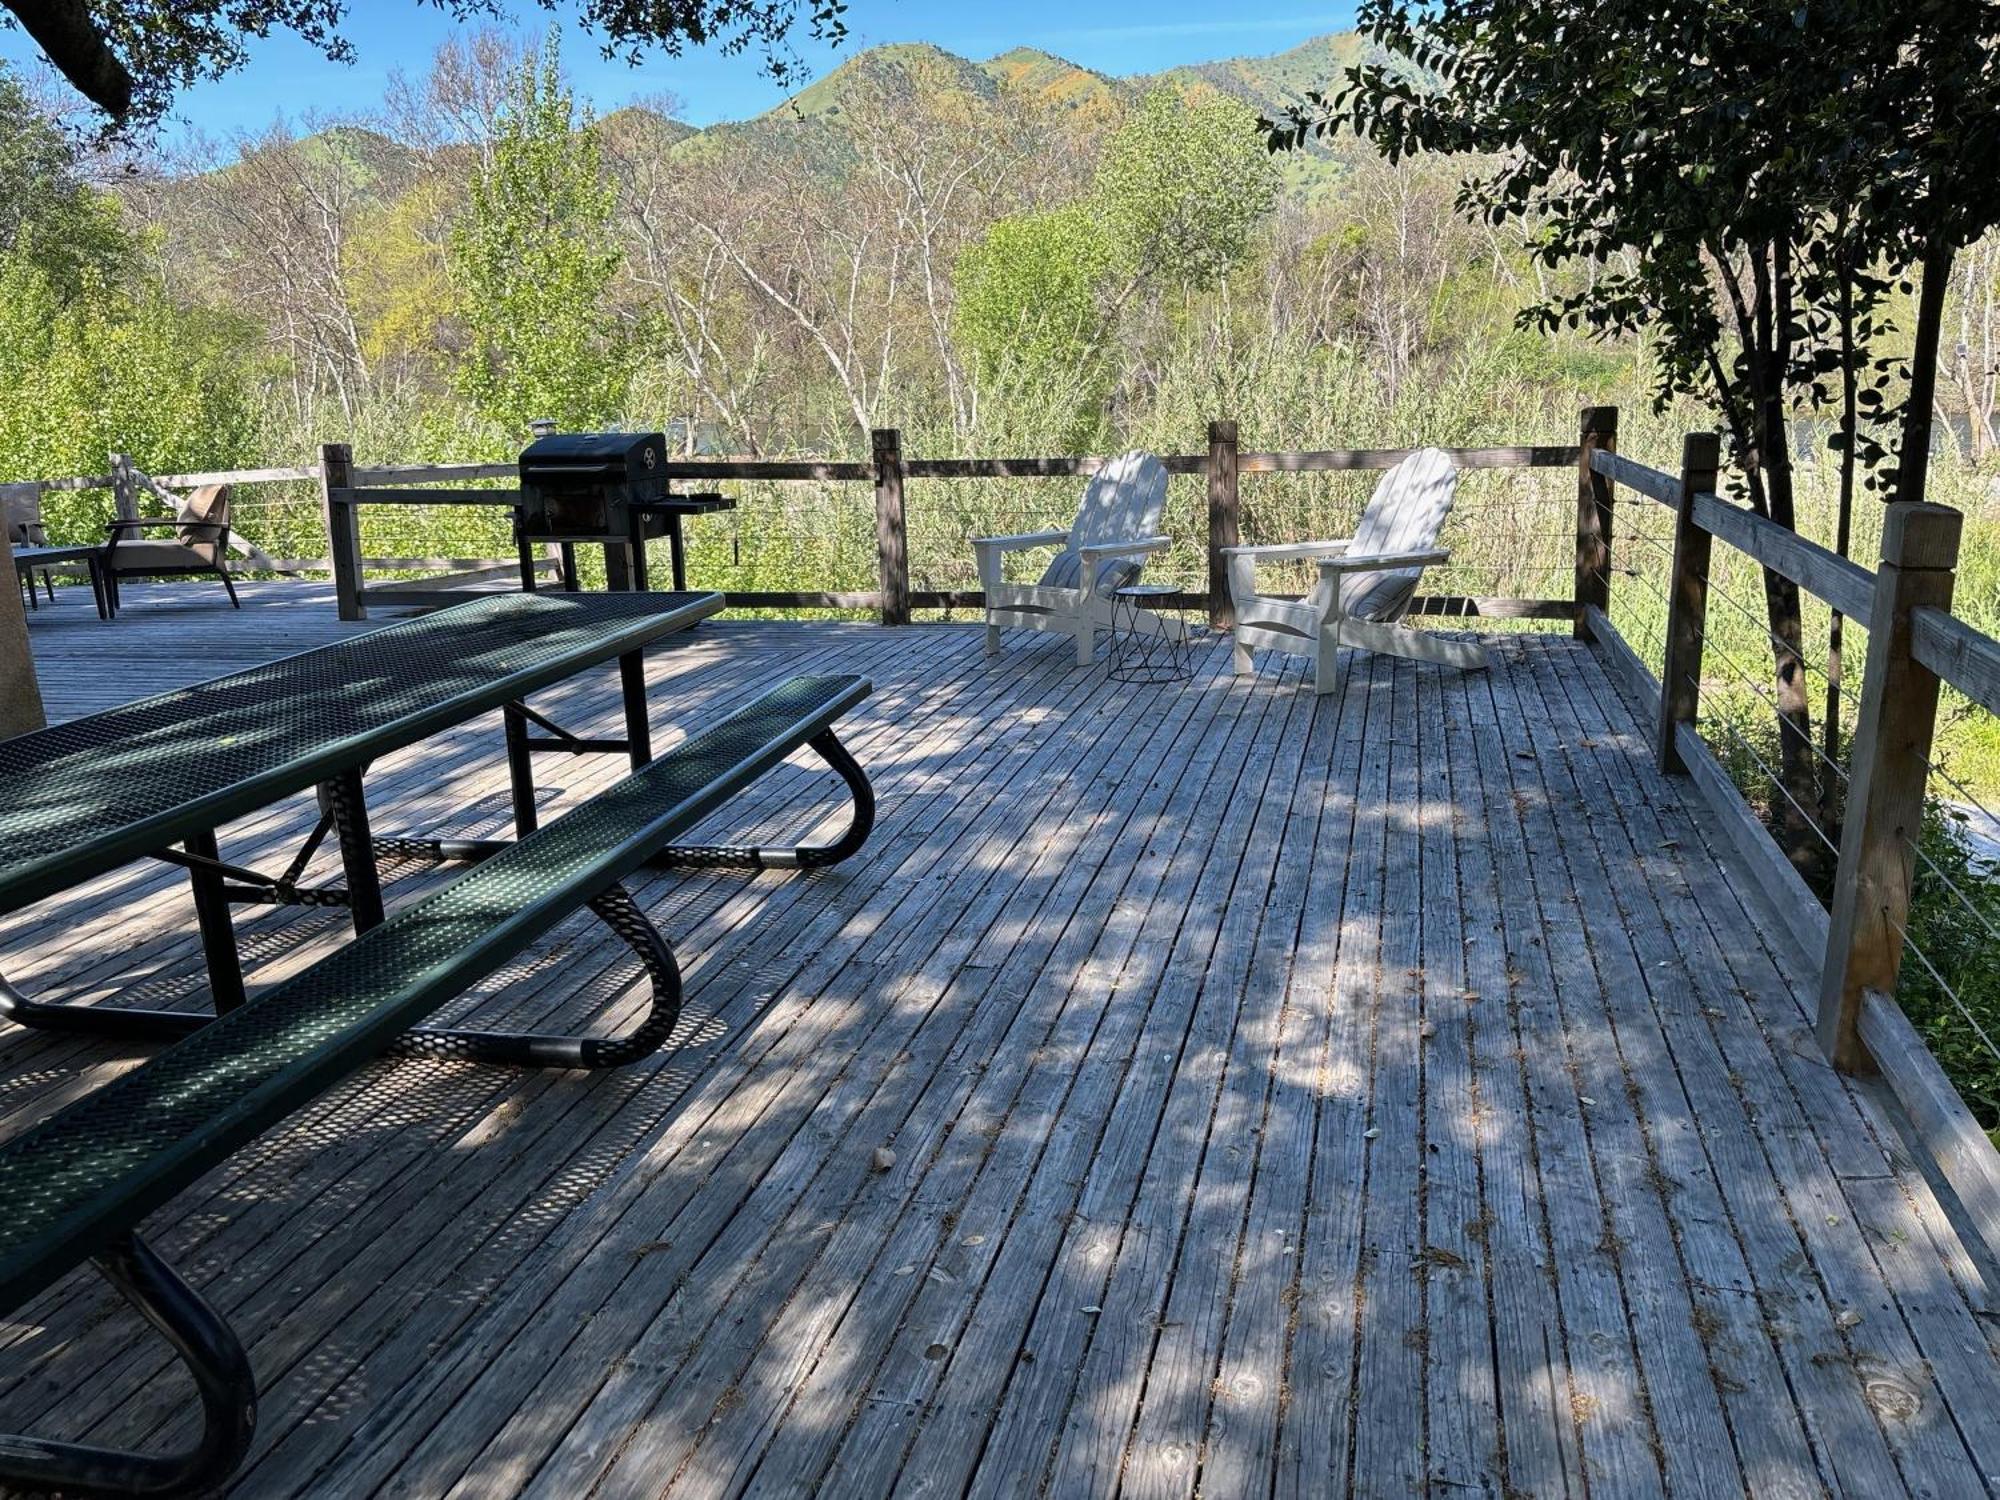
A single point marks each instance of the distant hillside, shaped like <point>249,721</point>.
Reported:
<point>1272,84</point>
<point>808,123</point>
<point>1054,79</point>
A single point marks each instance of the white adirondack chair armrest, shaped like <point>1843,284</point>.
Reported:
<point>1124,549</point>
<point>1027,539</point>
<point>1289,551</point>
<point>1385,560</point>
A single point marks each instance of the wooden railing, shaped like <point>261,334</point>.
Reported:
<point>345,488</point>
<point>1914,645</point>
<point>892,473</point>
<point>126,483</point>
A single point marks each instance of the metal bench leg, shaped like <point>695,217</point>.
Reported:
<point>803,856</point>
<point>222,1377</point>
<point>529,1050</point>
<point>112,1023</point>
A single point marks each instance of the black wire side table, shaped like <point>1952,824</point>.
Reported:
<point>1138,653</point>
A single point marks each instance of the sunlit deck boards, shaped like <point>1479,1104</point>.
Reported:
<point>1284,1096</point>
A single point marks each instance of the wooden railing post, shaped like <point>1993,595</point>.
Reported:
<point>343,528</point>
<point>1887,775</point>
<point>891,542</point>
<point>124,488</point>
<point>1687,600</point>
<point>1225,520</point>
<point>1597,429</point>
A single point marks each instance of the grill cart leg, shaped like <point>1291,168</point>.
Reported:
<point>800,857</point>
<point>529,1050</point>
<point>222,1377</point>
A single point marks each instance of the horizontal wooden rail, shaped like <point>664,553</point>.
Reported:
<point>403,564</point>
<point>1962,656</point>
<point>377,495</point>
<point>432,473</point>
<point>238,476</point>
<point>1947,1128</point>
<point>1332,460</point>
<point>509,569</point>
<point>1336,460</point>
<point>758,468</point>
<point>1079,467</point>
<point>1840,581</point>
<point>1651,483</point>
<point>870,599</point>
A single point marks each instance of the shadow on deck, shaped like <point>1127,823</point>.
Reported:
<point>1189,1089</point>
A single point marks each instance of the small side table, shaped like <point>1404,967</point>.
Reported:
<point>675,508</point>
<point>92,557</point>
<point>1138,653</point>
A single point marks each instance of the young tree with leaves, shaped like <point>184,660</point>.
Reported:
<point>532,263</point>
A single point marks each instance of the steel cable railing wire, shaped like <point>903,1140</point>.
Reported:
<point>1953,901</point>
<point>1715,650</point>
<point>1957,1005</point>
<point>1778,642</point>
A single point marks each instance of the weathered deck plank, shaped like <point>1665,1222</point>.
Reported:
<point>1391,1093</point>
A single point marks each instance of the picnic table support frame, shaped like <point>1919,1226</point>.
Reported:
<point>638,726</point>
<point>212,1355</point>
<point>344,802</point>
<point>211,911</point>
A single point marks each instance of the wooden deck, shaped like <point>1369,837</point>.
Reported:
<point>1207,1090</point>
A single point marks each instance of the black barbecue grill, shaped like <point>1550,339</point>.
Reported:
<point>607,487</point>
<point>593,487</point>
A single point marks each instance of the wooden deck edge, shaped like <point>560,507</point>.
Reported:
<point>1776,881</point>
<point>1938,1118</point>
<point>1783,889</point>
<point>1636,678</point>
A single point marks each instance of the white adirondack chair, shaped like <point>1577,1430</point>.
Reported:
<point>1116,529</point>
<point>1365,583</point>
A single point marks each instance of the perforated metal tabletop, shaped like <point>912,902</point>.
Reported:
<point>80,798</point>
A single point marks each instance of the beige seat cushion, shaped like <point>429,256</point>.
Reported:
<point>139,557</point>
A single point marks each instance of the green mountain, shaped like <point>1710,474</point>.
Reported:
<point>1054,80</point>
<point>1272,84</point>
<point>1266,84</point>
<point>808,124</point>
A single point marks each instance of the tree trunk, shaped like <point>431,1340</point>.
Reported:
<point>1798,789</point>
<point>1843,528</point>
<point>1913,464</point>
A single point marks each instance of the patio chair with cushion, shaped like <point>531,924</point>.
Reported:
<point>25,529</point>
<point>1116,529</point>
<point>199,544</point>
<point>1366,583</point>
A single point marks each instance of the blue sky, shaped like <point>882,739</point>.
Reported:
<point>287,77</point>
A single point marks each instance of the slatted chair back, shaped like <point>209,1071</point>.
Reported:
<point>24,515</point>
<point>1405,514</point>
<point>1123,502</point>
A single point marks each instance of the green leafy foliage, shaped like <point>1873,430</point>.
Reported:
<point>48,214</point>
<point>1954,910</point>
<point>113,368</point>
<point>1030,313</point>
<point>531,263</point>
<point>1183,184</point>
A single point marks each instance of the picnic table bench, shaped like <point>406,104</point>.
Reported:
<point>76,1186</point>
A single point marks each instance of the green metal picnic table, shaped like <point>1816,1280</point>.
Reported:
<point>81,798</point>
